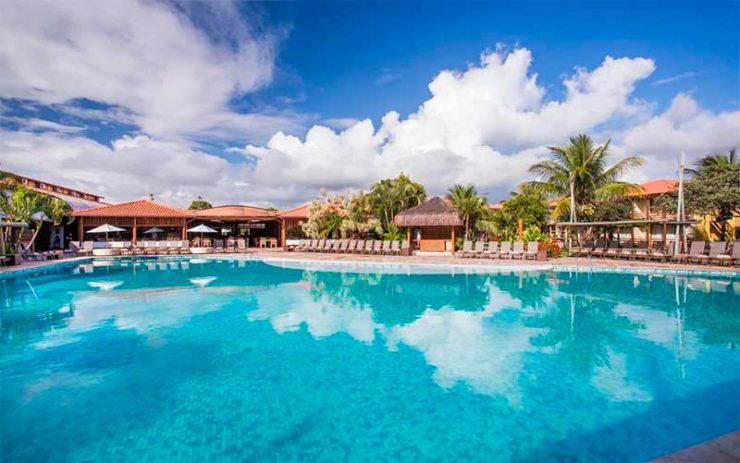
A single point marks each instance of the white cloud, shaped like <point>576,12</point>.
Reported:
<point>683,127</point>
<point>143,56</point>
<point>485,125</point>
<point>478,126</point>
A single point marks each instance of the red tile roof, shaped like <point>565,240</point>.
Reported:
<point>142,208</point>
<point>657,187</point>
<point>235,211</point>
<point>497,206</point>
<point>300,212</point>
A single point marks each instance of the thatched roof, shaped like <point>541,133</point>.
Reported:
<point>434,212</point>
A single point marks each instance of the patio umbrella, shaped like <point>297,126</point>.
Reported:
<point>153,231</point>
<point>106,228</point>
<point>202,229</point>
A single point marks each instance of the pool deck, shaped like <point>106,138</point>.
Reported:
<point>568,263</point>
<point>722,449</point>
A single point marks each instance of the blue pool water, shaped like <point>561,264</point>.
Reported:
<point>204,360</point>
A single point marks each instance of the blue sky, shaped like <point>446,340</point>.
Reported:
<point>265,103</point>
<point>337,53</point>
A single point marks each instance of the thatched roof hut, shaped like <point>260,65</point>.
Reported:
<point>434,212</point>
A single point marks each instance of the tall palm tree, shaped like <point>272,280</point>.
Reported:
<point>578,174</point>
<point>469,204</point>
<point>22,204</point>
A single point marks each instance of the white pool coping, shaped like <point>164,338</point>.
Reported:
<point>380,266</point>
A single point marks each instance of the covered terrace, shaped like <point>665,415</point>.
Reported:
<point>262,228</point>
<point>136,217</point>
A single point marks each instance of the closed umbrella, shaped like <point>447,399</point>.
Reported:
<point>202,229</point>
<point>106,228</point>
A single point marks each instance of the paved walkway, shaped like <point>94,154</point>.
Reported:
<point>720,450</point>
<point>444,260</point>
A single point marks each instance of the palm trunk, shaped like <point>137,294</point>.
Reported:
<point>572,200</point>
<point>33,238</point>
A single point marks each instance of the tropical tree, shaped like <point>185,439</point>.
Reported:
<point>21,204</point>
<point>469,204</point>
<point>199,204</point>
<point>714,188</point>
<point>325,217</point>
<point>391,196</point>
<point>360,221</point>
<point>578,174</point>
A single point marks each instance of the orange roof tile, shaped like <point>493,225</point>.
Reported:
<point>235,211</point>
<point>657,187</point>
<point>497,206</point>
<point>300,212</point>
<point>141,208</point>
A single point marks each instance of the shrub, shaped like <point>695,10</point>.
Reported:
<point>552,248</point>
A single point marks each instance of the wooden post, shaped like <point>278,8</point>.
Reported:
<point>408,235</point>
<point>665,233</point>
<point>520,228</point>
<point>184,229</point>
<point>453,239</point>
<point>133,233</point>
<point>80,229</point>
<point>283,241</point>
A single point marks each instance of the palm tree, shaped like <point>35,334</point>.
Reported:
<point>469,205</point>
<point>22,204</point>
<point>716,161</point>
<point>578,174</point>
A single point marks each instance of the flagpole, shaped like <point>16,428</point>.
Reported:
<point>680,210</point>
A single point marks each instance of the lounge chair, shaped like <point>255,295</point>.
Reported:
<point>377,247</point>
<point>518,251</point>
<point>405,247</point>
<point>715,249</point>
<point>386,249</point>
<point>612,249</point>
<point>733,258</point>
<point>466,250</point>
<point>492,251</point>
<point>359,247</point>
<point>598,249</point>
<point>241,245</point>
<point>532,248</point>
<point>396,248</point>
<point>641,251</point>
<point>696,249</point>
<point>661,251</point>
<point>627,250</point>
<point>230,246</point>
<point>505,251</point>
<point>219,248</point>
<point>478,249</point>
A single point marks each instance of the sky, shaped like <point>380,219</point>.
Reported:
<point>267,103</point>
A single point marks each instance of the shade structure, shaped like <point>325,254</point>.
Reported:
<point>201,229</point>
<point>434,212</point>
<point>106,228</point>
<point>153,231</point>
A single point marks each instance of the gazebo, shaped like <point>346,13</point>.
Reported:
<point>437,221</point>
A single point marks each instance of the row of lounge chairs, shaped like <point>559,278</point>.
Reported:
<point>147,248</point>
<point>719,252</point>
<point>496,250</point>
<point>350,246</point>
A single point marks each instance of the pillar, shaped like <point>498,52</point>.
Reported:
<point>408,235</point>
<point>133,233</point>
<point>283,240</point>
<point>452,234</point>
<point>184,232</point>
<point>665,233</point>
<point>520,228</point>
<point>80,229</point>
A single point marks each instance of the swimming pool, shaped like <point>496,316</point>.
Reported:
<point>234,360</point>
